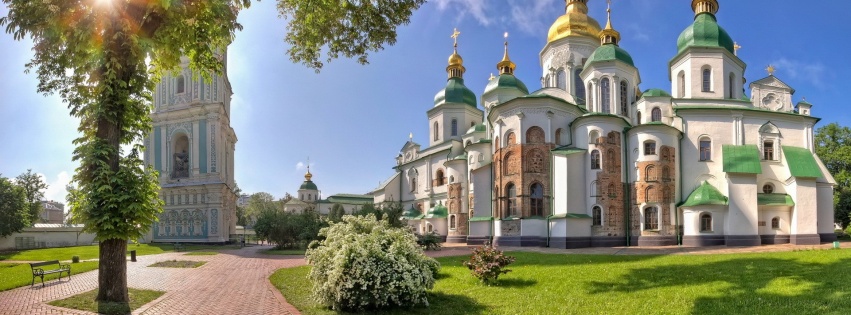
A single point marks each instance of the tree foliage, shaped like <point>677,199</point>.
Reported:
<point>289,230</point>
<point>348,28</point>
<point>833,146</point>
<point>14,211</point>
<point>33,187</point>
<point>336,214</point>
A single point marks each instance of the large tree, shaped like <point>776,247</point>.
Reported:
<point>14,214</point>
<point>103,57</point>
<point>833,146</point>
<point>33,188</point>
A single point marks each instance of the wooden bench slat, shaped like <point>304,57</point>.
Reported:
<point>44,263</point>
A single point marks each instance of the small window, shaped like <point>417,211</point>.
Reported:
<point>638,118</point>
<point>454,127</point>
<point>705,223</point>
<point>596,216</point>
<point>768,150</point>
<point>731,86</point>
<point>768,188</point>
<point>429,228</point>
<point>413,184</point>
<point>452,224</point>
<point>656,114</point>
<point>651,220</point>
<point>181,84</point>
<point>650,173</point>
<point>705,149</point>
<point>682,80</point>
<point>775,223</point>
<point>558,136</point>
<point>439,178</point>
<point>595,187</point>
<point>707,77</point>
<point>589,92</point>
<point>595,160</point>
<point>580,88</point>
<point>650,194</point>
<point>309,197</point>
<point>624,99</point>
<point>436,131</point>
<point>451,179</point>
<point>536,199</point>
<point>561,79</point>
<point>605,95</point>
<point>649,147</point>
<point>510,203</point>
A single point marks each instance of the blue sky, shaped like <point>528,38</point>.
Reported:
<point>351,120</point>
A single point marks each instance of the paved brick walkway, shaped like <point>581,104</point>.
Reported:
<point>232,282</point>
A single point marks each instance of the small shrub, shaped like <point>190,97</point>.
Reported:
<point>366,264</point>
<point>75,259</point>
<point>430,241</point>
<point>487,263</point>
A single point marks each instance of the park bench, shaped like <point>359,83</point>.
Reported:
<point>41,272</point>
<point>178,247</point>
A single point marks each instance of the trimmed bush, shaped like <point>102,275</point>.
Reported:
<point>75,259</point>
<point>487,263</point>
<point>365,264</point>
<point>430,241</point>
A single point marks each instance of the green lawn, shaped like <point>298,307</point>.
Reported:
<point>799,282</point>
<point>18,275</point>
<point>86,301</point>
<point>91,251</point>
<point>201,253</point>
<point>283,252</point>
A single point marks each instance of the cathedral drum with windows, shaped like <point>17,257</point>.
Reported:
<point>590,160</point>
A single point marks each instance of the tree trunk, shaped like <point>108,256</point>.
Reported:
<point>112,273</point>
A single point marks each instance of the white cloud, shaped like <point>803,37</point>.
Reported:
<point>476,8</point>
<point>56,188</point>
<point>815,73</point>
<point>302,165</point>
<point>531,18</point>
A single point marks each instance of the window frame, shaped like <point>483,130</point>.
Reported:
<point>706,79</point>
<point>706,223</point>
<point>770,188</point>
<point>704,155</point>
<point>624,98</point>
<point>596,216</point>
<point>561,79</point>
<point>578,85</point>
<point>180,83</point>
<point>454,127</point>
<point>536,202</point>
<point>595,160</point>
<point>651,149</point>
<point>769,152</point>
<point>452,223</point>
<point>651,218</point>
<point>656,114</point>
<point>511,203</point>
<point>605,96</point>
<point>775,223</point>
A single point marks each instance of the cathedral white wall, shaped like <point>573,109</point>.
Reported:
<point>533,227</point>
<point>567,54</point>
<point>743,213</point>
<point>482,193</point>
<point>719,129</point>
<point>615,72</point>
<point>560,184</point>
<point>692,65</point>
<point>825,208</point>
<point>767,213</point>
<point>805,215</point>
<point>480,228</point>
<point>691,220</point>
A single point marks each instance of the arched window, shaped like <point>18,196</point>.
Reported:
<point>624,99</point>
<point>561,79</point>
<point>731,83</point>
<point>589,92</point>
<point>439,179</point>
<point>510,203</point>
<point>707,79</point>
<point>775,223</point>
<point>651,218</point>
<point>536,200</point>
<point>452,223</point>
<point>613,193</point>
<point>595,160</point>
<point>593,137</point>
<point>666,195</point>
<point>666,173</point>
<point>681,79</point>
<point>650,173</point>
<point>429,228</point>
<point>638,118</point>
<point>594,188</point>
<point>577,84</point>
<point>180,156</point>
<point>181,84</point>
<point>650,194</point>
<point>454,127</point>
<point>596,216</point>
<point>656,114</point>
<point>610,160</point>
<point>309,197</point>
<point>414,184</point>
<point>649,147</point>
<point>705,149</point>
<point>558,136</point>
<point>767,188</point>
<point>436,131</point>
<point>508,161</point>
<point>451,179</point>
<point>605,95</point>
<point>706,222</point>
<point>535,135</point>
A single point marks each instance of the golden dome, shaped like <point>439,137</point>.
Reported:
<point>455,59</point>
<point>308,176</point>
<point>506,66</point>
<point>574,22</point>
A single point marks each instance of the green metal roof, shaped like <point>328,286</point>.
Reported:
<point>609,52</point>
<point>308,185</point>
<point>567,150</point>
<point>704,32</point>
<point>455,92</point>
<point>436,212</point>
<point>741,159</point>
<point>477,128</point>
<point>705,194</point>
<point>475,219</point>
<point>801,162</point>
<point>774,200</point>
<point>570,216</point>
<point>411,213</point>
<point>655,92</point>
<point>350,199</point>
<point>506,81</point>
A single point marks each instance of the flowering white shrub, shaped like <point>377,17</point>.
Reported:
<point>365,264</point>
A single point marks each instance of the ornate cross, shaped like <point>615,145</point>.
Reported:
<point>454,36</point>
<point>770,69</point>
<point>736,48</point>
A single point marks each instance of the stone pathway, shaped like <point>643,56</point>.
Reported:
<point>236,281</point>
<point>232,282</point>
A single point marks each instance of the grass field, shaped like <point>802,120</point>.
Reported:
<point>86,301</point>
<point>799,282</point>
<point>91,251</point>
<point>19,275</point>
<point>283,252</point>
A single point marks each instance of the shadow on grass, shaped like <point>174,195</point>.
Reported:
<point>515,283</point>
<point>748,285</point>
<point>439,303</point>
<point>113,308</point>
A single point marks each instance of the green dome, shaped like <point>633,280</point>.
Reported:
<point>438,211</point>
<point>704,32</point>
<point>308,185</point>
<point>411,213</point>
<point>506,81</point>
<point>655,92</point>
<point>706,194</point>
<point>455,92</point>
<point>609,52</point>
<point>477,128</point>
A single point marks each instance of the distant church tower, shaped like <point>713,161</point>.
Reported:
<point>192,146</point>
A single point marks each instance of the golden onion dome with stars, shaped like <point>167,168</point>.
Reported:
<point>574,22</point>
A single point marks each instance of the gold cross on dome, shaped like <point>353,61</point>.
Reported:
<point>770,69</point>
<point>454,36</point>
<point>736,48</point>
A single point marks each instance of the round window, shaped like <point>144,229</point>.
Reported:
<point>767,188</point>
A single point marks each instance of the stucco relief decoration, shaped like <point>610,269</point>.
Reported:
<point>214,221</point>
<point>772,102</point>
<point>213,148</point>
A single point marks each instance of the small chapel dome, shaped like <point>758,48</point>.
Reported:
<point>438,211</point>
<point>705,31</point>
<point>456,60</point>
<point>455,92</point>
<point>308,183</point>
<point>477,128</point>
<point>609,49</point>
<point>506,78</point>
<point>574,22</point>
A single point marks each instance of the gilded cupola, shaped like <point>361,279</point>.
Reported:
<point>574,22</point>
<point>455,69</point>
<point>506,66</point>
<point>455,91</point>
